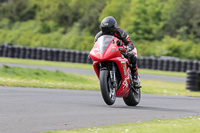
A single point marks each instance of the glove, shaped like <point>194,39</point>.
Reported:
<point>123,50</point>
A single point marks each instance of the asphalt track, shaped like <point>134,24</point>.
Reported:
<point>35,110</point>
<point>91,72</point>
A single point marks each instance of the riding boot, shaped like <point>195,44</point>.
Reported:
<point>136,78</point>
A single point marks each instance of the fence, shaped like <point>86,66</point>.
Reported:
<point>51,54</point>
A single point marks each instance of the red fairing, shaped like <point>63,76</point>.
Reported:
<point>110,52</point>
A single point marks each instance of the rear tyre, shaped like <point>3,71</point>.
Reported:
<point>107,91</point>
<point>133,98</point>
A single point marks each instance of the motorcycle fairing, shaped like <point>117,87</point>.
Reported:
<point>105,49</point>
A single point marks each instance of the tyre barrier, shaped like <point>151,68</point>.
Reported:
<point>172,65</point>
<point>44,54</point>
<point>193,80</point>
<point>177,67</point>
<point>141,62</point>
<point>1,50</point>
<point>196,65</point>
<point>160,64</point>
<point>72,56</point>
<point>189,65</point>
<point>28,53</point>
<point>148,63</point>
<point>166,65</point>
<point>154,64</point>
<point>183,66</point>
<point>33,53</point>
<point>17,52</point>
<point>52,54</point>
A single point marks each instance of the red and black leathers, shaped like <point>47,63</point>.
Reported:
<point>122,35</point>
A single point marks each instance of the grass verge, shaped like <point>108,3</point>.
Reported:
<point>27,77</point>
<point>158,72</point>
<point>181,125</point>
<point>45,63</point>
<point>82,66</point>
<point>166,88</point>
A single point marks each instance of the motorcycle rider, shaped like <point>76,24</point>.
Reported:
<point>109,27</point>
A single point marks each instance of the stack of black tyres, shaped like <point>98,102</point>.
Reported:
<point>193,80</point>
<point>1,50</point>
<point>160,64</point>
<point>177,66</point>
<point>52,54</point>
<point>172,65</point>
<point>154,63</point>
<point>142,62</point>
<point>196,65</point>
<point>183,66</point>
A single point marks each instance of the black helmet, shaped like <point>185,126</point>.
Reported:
<point>108,25</point>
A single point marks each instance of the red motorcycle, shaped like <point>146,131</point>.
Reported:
<point>113,71</point>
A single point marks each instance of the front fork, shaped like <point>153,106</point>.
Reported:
<point>112,70</point>
<point>113,73</point>
<point>113,76</point>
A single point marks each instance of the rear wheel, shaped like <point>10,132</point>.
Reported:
<point>108,92</point>
<point>133,98</point>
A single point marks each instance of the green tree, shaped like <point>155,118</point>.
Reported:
<point>90,20</point>
<point>16,10</point>
<point>115,8</point>
<point>58,11</point>
<point>145,19</point>
<point>184,19</point>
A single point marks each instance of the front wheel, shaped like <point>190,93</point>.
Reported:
<point>108,92</point>
<point>133,97</point>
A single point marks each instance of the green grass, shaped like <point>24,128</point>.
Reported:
<point>27,77</point>
<point>158,72</point>
<point>45,63</point>
<point>181,125</point>
<point>83,66</point>
<point>166,88</point>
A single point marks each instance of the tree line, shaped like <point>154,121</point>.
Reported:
<point>157,27</point>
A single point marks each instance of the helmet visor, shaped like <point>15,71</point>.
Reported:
<point>108,30</point>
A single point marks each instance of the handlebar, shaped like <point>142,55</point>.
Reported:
<point>123,48</point>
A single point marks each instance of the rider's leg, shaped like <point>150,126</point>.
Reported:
<point>132,56</point>
<point>135,75</point>
<point>134,71</point>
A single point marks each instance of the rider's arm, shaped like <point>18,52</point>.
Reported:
<point>123,35</point>
<point>127,42</point>
<point>100,33</point>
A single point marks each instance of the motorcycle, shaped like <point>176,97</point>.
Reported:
<point>113,71</point>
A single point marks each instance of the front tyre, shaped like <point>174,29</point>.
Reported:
<point>108,92</point>
<point>133,97</point>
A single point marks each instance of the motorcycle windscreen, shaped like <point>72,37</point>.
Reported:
<point>103,42</point>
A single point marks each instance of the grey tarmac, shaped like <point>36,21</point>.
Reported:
<point>35,110</point>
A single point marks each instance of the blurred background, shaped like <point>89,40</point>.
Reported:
<point>157,27</point>
<point>166,34</point>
